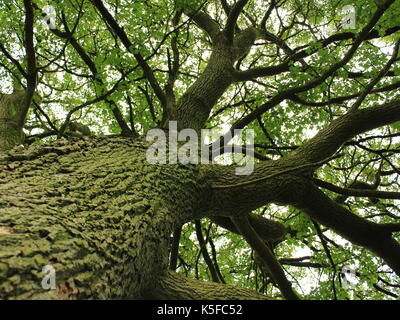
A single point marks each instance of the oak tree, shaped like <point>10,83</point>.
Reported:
<point>84,81</point>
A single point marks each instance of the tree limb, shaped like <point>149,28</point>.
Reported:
<point>13,60</point>
<point>175,248</point>
<point>359,231</point>
<point>148,72</point>
<point>379,76</point>
<point>357,192</point>
<point>284,66</point>
<point>328,140</point>
<point>268,230</point>
<point>204,252</point>
<point>232,19</point>
<point>270,262</point>
<point>175,287</point>
<point>31,73</point>
<point>206,23</point>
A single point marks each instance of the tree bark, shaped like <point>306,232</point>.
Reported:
<point>96,211</point>
<point>11,133</point>
<point>176,287</point>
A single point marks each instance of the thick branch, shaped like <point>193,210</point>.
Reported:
<point>173,259</point>
<point>270,262</point>
<point>267,229</point>
<point>358,192</point>
<point>31,60</point>
<point>205,22</point>
<point>204,252</point>
<point>328,140</point>
<point>175,287</point>
<point>232,18</point>
<point>359,231</point>
<point>267,14</point>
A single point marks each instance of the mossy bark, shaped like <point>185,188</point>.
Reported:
<point>175,287</point>
<point>96,211</point>
<point>11,133</point>
<point>102,216</point>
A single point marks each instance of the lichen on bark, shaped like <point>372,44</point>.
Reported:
<point>96,211</point>
<point>11,133</point>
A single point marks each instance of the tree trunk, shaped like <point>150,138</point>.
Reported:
<point>96,211</point>
<point>11,133</point>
